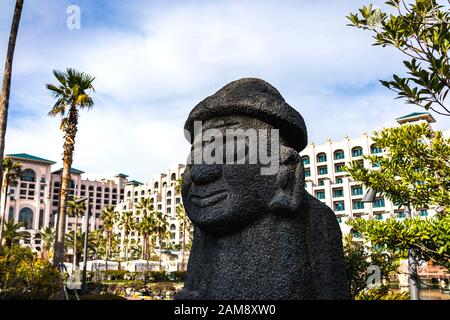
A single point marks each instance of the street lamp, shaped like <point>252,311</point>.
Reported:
<point>412,263</point>
<point>86,235</point>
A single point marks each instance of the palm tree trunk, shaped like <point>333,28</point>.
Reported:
<point>75,243</point>
<point>108,246</point>
<point>160,251</point>
<point>70,132</point>
<point>2,218</point>
<point>6,84</point>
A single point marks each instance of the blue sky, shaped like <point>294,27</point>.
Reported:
<point>155,60</point>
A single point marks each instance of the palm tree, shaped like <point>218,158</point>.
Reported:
<point>6,84</point>
<point>162,230</point>
<point>109,218</point>
<point>185,226</point>
<point>12,172</point>
<point>78,239</point>
<point>127,223</point>
<point>48,238</point>
<point>75,209</point>
<point>72,94</point>
<point>145,208</point>
<point>12,233</point>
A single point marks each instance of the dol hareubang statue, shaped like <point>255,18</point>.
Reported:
<point>258,236</point>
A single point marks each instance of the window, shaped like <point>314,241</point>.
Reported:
<point>374,149</point>
<point>307,173</point>
<point>177,200</point>
<point>401,215</point>
<point>71,184</point>
<point>339,167</point>
<point>156,185</point>
<point>321,182</point>
<point>320,195</point>
<point>169,210</point>
<point>357,191</point>
<point>143,193</point>
<point>169,202</point>
<point>164,185</point>
<point>322,170</point>
<point>339,219</point>
<point>338,193</point>
<point>339,180</point>
<point>107,190</point>
<point>83,187</point>
<point>91,188</point>
<point>357,151</point>
<point>159,207</point>
<point>169,193</point>
<point>136,193</point>
<point>321,157</point>
<point>376,164</point>
<point>173,177</point>
<point>28,175</point>
<point>423,213</point>
<point>305,160</point>
<point>99,189</point>
<point>26,218</point>
<point>339,155</point>
<point>378,203</point>
<point>173,228</point>
<point>357,204</point>
<point>129,194</point>
<point>41,219</point>
<point>339,206</point>
<point>11,213</point>
<point>379,217</point>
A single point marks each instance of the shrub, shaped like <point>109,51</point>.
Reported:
<point>106,296</point>
<point>24,276</point>
<point>177,276</point>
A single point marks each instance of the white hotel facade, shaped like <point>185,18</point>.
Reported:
<point>327,181</point>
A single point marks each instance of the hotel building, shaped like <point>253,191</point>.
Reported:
<point>327,181</point>
<point>34,201</point>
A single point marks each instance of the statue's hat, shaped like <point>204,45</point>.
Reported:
<point>254,98</point>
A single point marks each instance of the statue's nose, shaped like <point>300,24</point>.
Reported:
<point>205,173</point>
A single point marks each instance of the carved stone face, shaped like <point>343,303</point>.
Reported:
<point>224,198</point>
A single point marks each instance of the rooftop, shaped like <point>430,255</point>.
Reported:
<point>121,175</point>
<point>415,116</point>
<point>72,170</point>
<point>29,157</point>
<point>134,183</point>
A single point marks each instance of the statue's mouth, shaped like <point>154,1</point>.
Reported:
<point>206,200</point>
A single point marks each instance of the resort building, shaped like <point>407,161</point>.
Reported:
<point>161,191</point>
<point>327,181</point>
<point>34,201</point>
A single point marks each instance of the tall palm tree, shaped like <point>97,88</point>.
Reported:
<point>12,172</point>
<point>6,83</point>
<point>109,218</point>
<point>162,230</point>
<point>127,223</point>
<point>185,226</point>
<point>12,234</point>
<point>75,209</point>
<point>72,94</point>
<point>146,209</point>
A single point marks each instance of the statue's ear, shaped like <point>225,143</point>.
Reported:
<point>290,183</point>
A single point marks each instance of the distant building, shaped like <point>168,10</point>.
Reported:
<point>35,200</point>
<point>162,193</point>
<point>327,181</point>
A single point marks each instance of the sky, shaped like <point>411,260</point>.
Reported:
<point>155,60</point>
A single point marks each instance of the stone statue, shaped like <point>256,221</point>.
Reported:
<point>258,236</point>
